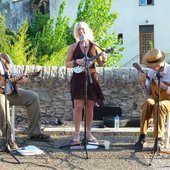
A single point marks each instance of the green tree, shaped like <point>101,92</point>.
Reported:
<point>97,14</point>
<point>40,20</point>
<point>52,38</point>
<point>21,51</point>
<point>44,41</point>
<point>61,38</point>
<point>5,37</point>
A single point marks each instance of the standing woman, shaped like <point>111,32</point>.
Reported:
<point>75,57</point>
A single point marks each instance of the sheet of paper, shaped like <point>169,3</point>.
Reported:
<point>30,150</point>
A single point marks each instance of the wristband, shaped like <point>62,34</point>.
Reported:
<point>74,63</point>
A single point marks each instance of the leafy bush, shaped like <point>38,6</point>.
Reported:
<point>21,51</point>
<point>5,37</point>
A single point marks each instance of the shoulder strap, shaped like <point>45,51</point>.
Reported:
<point>75,45</point>
<point>6,61</point>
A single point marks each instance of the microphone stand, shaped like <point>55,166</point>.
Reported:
<point>155,148</point>
<point>7,147</point>
<point>87,75</point>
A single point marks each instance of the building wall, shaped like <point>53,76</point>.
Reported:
<point>131,15</point>
<point>15,12</point>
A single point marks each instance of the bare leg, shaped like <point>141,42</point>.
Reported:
<point>89,118</point>
<point>77,117</point>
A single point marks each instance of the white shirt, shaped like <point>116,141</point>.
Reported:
<point>9,88</point>
<point>164,78</point>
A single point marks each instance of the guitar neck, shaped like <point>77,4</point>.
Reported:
<point>146,75</point>
<point>18,77</point>
<point>138,67</point>
<point>96,56</point>
<point>109,50</point>
<point>14,79</point>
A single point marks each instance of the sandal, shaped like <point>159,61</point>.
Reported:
<point>91,138</point>
<point>40,137</point>
<point>76,139</point>
<point>74,142</point>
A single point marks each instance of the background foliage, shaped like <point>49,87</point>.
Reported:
<point>46,42</point>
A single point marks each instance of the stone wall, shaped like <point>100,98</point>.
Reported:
<point>120,88</point>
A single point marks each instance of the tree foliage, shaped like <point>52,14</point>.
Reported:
<point>97,14</point>
<point>6,38</point>
<point>21,51</point>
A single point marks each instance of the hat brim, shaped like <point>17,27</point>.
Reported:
<point>156,63</point>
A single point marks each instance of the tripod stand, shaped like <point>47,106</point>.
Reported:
<point>155,148</point>
<point>88,79</point>
<point>7,126</point>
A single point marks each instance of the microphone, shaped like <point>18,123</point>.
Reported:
<point>108,50</point>
<point>160,72</point>
<point>83,39</point>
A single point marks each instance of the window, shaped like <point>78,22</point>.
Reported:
<point>120,38</point>
<point>146,35</point>
<point>146,2</point>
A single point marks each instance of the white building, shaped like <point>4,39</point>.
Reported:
<point>140,23</point>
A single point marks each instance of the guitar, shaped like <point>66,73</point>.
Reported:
<point>16,78</point>
<point>79,69</point>
<point>154,89</point>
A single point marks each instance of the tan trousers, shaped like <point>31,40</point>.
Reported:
<point>149,110</point>
<point>30,100</point>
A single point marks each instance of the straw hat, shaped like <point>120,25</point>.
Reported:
<point>154,57</point>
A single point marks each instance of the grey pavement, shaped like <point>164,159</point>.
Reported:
<point>120,156</point>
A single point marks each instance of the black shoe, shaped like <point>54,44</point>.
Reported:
<point>159,146</point>
<point>140,143</point>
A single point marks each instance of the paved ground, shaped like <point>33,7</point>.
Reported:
<point>120,156</point>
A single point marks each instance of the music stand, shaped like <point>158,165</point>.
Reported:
<point>7,147</point>
<point>84,142</point>
<point>155,148</point>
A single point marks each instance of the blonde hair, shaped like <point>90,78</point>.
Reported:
<point>87,30</point>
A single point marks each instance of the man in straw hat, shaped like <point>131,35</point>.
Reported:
<point>155,60</point>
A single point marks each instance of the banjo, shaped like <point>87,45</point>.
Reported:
<point>79,68</point>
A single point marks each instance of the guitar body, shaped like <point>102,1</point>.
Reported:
<point>163,93</point>
<point>154,89</point>
<point>79,69</point>
<point>13,80</point>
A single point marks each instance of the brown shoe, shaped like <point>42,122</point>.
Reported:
<point>159,145</point>
<point>40,137</point>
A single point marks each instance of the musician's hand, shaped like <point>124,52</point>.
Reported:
<point>80,62</point>
<point>163,86</point>
<point>142,78</point>
<point>23,80</point>
<point>104,57</point>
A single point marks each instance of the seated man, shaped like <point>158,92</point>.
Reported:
<point>155,60</point>
<point>19,97</point>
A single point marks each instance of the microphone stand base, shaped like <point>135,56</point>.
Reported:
<point>8,150</point>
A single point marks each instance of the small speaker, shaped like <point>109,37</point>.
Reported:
<point>101,112</point>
